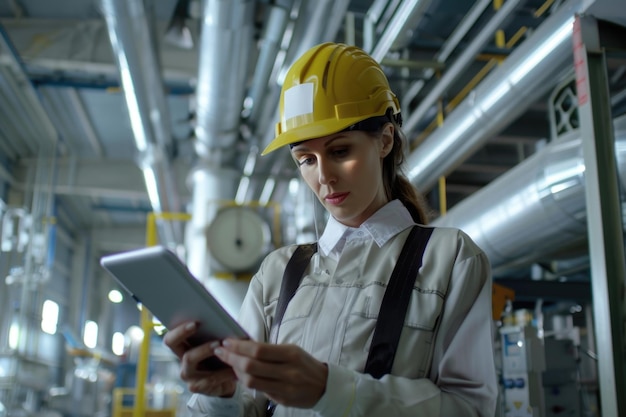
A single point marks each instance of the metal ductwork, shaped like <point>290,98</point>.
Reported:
<point>537,208</point>
<point>406,16</point>
<point>225,48</point>
<point>137,61</point>
<point>462,62</point>
<point>270,46</point>
<point>224,54</point>
<point>526,76</point>
<point>446,50</point>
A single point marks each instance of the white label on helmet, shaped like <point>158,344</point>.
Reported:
<point>298,100</point>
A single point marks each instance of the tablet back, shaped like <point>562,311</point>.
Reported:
<point>156,278</point>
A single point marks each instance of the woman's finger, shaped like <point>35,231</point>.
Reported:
<point>176,338</point>
<point>286,373</point>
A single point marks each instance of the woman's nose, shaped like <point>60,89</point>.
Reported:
<point>326,175</point>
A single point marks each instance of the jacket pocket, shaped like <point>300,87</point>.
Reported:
<point>414,352</point>
<point>297,313</point>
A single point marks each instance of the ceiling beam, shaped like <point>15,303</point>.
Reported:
<point>99,178</point>
<point>82,48</point>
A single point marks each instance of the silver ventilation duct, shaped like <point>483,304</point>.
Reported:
<point>225,47</point>
<point>537,208</point>
<point>527,75</point>
<point>406,17</point>
<point>138,65</point>
<point>268,53</point>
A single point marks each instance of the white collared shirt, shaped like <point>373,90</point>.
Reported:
<point>387,222</point>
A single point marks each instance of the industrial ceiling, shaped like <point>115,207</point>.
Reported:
<point>66,68</point>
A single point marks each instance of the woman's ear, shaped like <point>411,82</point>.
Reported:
<point>387,140</point>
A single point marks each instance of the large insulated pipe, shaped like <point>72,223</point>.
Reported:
<point>526,75</point>
<point>225,47</point>
<point>537,208</point>
<point>136,58</point>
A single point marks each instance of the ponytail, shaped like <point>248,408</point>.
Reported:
<point>397,186</point>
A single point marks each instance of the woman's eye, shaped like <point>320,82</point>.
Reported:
<point>305,161</point>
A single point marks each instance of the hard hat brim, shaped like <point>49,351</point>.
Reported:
<point>308,132</point>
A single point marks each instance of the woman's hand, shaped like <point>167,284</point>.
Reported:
<point>285,373</point>
<point>217,383</point>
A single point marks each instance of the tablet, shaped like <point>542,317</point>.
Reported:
<point>160,281</point>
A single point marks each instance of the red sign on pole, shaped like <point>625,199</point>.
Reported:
<point>580,65</point>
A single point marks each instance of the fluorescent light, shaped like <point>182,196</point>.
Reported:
<point>49,317</point>
<point>117,343</point>
<point>151,187</point>
<point>14,335</point>
<point>242,190</point>
<point>268,189</point>
<point>115,296</point>
<point>90,335</point>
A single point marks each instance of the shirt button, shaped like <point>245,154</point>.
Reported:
<point>360,233</point>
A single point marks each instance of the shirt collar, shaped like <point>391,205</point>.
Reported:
<point>388,221</point>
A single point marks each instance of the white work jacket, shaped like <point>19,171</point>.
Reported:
<point>444,362</point>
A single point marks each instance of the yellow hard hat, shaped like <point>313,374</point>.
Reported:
<point>329,88</point>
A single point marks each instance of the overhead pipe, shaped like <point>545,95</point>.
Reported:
<point>372,16</point>
<point>537,209</point>
<point>137,61</point>
<point>227,30</point>
<point>461,63</point>
<point>406,16</point>
<point>270,46</point>
<point>225,47</point>
<point>524,77</point>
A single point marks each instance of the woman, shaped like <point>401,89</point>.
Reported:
<point>342,123</point>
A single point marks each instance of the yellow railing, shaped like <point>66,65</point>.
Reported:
<point>125,404</point>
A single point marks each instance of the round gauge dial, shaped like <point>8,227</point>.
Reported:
<point>237,238</point>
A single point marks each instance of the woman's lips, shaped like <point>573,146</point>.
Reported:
<point>336,198</point>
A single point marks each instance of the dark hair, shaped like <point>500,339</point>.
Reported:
<point>397,185</point>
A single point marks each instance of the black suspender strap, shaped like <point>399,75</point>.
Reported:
<point>294,272</point>
<point>395,303</point>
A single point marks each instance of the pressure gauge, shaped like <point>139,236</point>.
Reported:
<point>237,238</point>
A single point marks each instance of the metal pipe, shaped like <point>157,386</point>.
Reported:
<point>449,45</point>
<point>225,46</point>
<point>461,63</point>
<point>407,14</point>
<point>537,208</point>
<point>371,18</point>
<point>136,57</point>
<point>528,74</point>
<point>270,46</point>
